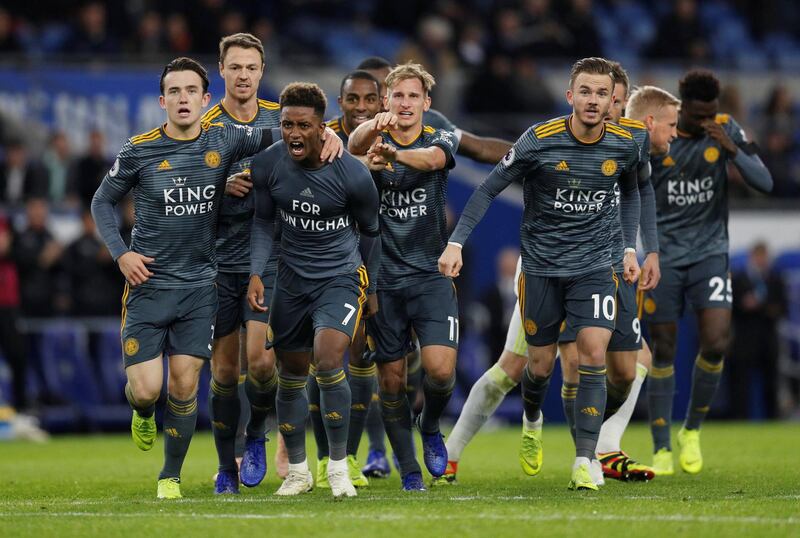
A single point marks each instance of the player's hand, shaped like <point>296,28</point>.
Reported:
<point>332,147</point>
<point>238,185</point>
<point>385,120</point>
<point>718,134</point>
<point>380,150</point>
<point>134,267</point>
<point>255,294</point>
<point>651,272</point>
<point>371,306</point>
<point>630,265</point>
<point>450,262</point>
<point>374,163</point>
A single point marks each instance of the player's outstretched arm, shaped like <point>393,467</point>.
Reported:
<point>362,137</point>
<point>424,159</point>
<point>483,149</point>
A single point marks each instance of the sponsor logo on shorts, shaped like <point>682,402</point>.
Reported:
<point>649,305</point>
<point>530,327</point>
<point>131,347</point>
<point>609,167</point>
<point>711,154</point>
<point>212,159</point>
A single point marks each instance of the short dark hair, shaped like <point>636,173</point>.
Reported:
<point>699,85</point>
<point>243,40</point>
<point>620,76</point>
<point>359,74</point>
<point>305,94</point>
<point>593,66</point>
<point>184,64</point>
<point>374,62</point>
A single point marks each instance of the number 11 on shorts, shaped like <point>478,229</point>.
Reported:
<point>453,328</point>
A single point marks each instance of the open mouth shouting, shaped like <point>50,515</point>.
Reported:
<point>297,149</point>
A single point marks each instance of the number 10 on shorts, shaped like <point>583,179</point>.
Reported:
<point>609,306</point>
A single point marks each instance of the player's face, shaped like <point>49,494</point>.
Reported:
<point>618,105</point>
<point>590,97</point>
<point>359,101</point>
<point>242,71</point>
<point>664,129</point>
<point>302,132</point>
<point>694,113</point>
<point>380,75</point>
<point>408,100</point>
<point>183,98</point>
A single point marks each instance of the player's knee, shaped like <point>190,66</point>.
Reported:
<point>329,362</point>
<point>261,365</point>
<point>225,372</point>
<point>441,372</point>
<point>145,393</point>
<point>622,378</point>
<point>392,384</point>
<point>715,347</point>
<point>184,387</point>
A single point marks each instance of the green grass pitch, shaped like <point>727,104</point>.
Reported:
<point>103,485</point>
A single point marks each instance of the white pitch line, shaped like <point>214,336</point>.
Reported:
<point>677,518</point>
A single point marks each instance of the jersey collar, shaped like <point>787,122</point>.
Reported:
<point>238,120</point>
<point>163,129</point>
<point>581,141</point>
<point>413,141</point>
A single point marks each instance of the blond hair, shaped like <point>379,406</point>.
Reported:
<point>646,100</point>
<point>411,70</point>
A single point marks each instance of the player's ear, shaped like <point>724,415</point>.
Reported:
<point>339,100</point>
<point>206,99</point>
<point>220,68</point>
<point>162,102</point>
<point>569,97</point>
<point>386,101</point>
<point>649,122</point>
<point>427,103</point>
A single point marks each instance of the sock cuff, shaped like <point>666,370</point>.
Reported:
<point>708,366</point>
<point>224,391</point>
<point>662,372</point>
<point>368,371</point>
<point>183,408</point>
<point>499,377</point>
<point>292,382</point>
<point>392,401</point>
<point>312,370</point>
<point>584,369</point>
<point>569,391</point>
<point>328,378</point>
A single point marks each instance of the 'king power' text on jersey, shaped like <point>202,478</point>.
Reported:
<point>412,212</point>
<point>691,184</point>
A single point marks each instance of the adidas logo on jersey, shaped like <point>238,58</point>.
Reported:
<point>307,192</point>
<point>562,166</point>
<point>165,165</point>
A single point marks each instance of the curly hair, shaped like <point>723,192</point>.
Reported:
<point>305,94</point>
<point>699,85</point>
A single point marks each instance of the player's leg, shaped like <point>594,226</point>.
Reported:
<point>244,404</point>
<point>293,335</point>
<point>292,408</point>
<point>568,353</point>
<point>180,418</point>
<point>663,308</point>
<point>143,337</point>
<point>433,309</point>
<point>388,338</point>
<point>336,310</point>
<point>225,407</point>
<point>363,384</point>
<point>377,465</point>
<point>261,387</point>
<point>541,307</point>
<point>590,303</point>
<point>710,294</point>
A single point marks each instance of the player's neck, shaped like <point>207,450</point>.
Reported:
<point>178,132</point>
<point>244,111</point>
<point>583,132</point>
<point>312,162</point>
<point>406,135</point>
